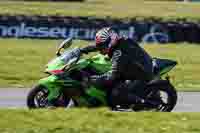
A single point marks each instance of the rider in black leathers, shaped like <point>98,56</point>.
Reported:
<point>129,62</point>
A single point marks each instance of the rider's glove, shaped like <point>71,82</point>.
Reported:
<point>88,49</point>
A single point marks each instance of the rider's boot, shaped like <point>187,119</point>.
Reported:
<point>123,96</point>
<point>138,87</point>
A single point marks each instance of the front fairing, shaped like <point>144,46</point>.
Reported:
<point>59,62</point>
<point>56,64</point>
<point>95,96</point>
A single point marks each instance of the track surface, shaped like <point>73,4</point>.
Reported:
<point>16,98</point>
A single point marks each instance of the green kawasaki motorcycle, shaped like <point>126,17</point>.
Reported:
<point>65,80</point>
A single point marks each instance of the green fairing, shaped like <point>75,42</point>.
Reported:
<point>83,101</point>
<point>55,64</point>
<point>55,85</point>
<point>82,63</point>
<point>52,86</point>
<point>100,63</point>
<point>93,94</point>
<point>99,94</point>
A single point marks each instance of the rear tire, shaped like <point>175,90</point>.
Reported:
<point>153,91</point>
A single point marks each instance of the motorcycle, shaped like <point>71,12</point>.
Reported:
<point>66,75</point>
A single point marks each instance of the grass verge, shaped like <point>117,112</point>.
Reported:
<point>96,121</point>
<point>23,61</point>
<point>102,8</point>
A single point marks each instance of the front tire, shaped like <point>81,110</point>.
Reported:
<point>38,98</point>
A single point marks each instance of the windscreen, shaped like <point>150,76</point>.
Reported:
<point>67,57</point>
<point>70,55</point>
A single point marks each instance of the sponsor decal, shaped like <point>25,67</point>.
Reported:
<point>86,28</point>
<point>23,30</point>
<point>156,32</point>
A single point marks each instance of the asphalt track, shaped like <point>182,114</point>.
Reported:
<point>16,98</point>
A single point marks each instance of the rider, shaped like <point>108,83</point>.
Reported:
<point>129,62</point>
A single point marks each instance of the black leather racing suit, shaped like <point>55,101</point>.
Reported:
<point>129,62</point>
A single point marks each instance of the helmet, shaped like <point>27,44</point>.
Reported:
<point>105,39</point>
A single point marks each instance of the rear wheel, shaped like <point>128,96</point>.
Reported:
<point>38,98</point>
<point>163,93</point>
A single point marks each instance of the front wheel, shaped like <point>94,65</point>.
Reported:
<point>38,98</point>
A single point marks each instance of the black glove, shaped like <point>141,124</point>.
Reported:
<point>88,49</point>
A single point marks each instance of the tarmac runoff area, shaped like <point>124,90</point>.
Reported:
<point>16,98</point>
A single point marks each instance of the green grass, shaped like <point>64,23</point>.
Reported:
<point>103,8</point>
<point>96,121</point>
<point>23,61</point>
